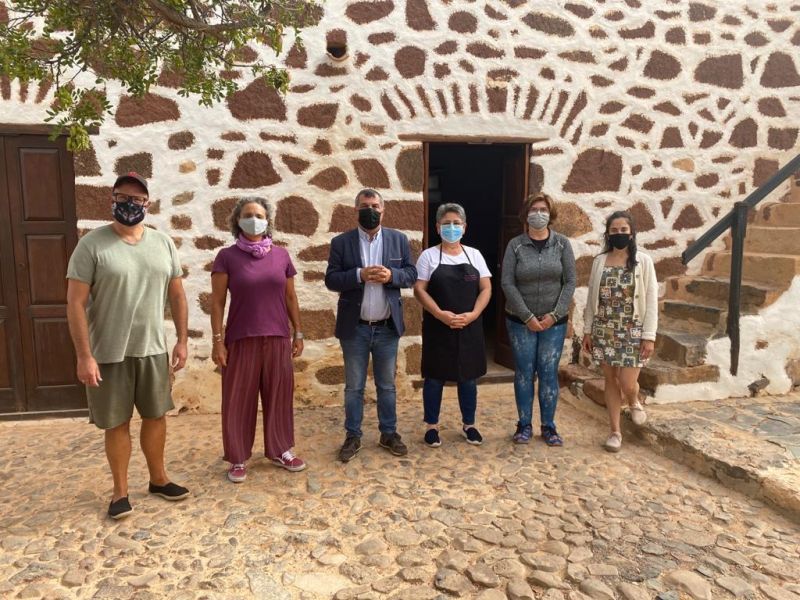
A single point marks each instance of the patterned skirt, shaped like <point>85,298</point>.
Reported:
<point>617,343</point>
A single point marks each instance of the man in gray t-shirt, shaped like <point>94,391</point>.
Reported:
<point>120,277</point>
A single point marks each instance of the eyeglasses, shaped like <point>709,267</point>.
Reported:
<point>541,211</point>
<point>137,200</point>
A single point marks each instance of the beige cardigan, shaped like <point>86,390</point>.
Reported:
<point>645,304</point>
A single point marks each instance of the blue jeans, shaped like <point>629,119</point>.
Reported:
<point>382,343</point>
<point>536,353</point>
<point>432,400</point>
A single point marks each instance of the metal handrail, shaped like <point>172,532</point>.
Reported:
<point>736,221</point>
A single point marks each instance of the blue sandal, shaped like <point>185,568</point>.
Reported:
<point>551,437</point>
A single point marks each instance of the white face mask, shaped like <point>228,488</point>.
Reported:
<point>253,225</point>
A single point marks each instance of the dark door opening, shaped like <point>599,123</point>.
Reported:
<point>489,181</point>
<point>37,234</point>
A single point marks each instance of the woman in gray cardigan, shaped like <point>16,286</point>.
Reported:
<point>538,281</point>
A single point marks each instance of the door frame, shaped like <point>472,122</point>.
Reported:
<point>483,141</point>
<point>427,140</point>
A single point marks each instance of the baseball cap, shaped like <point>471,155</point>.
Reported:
<point>131,176</point>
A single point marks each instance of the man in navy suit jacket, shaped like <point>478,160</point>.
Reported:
<point>367,266</point>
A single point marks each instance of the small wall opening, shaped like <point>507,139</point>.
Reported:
<point>336,44</point>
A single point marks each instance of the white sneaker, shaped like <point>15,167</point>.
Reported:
<point>638,416</point>
<point>614,442</point>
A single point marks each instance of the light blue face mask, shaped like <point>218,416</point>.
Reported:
<point>452,233</point>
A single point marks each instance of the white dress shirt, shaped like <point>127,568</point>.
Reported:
<point>374,305</point>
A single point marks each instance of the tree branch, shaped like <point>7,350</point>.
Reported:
<point>181,20</point>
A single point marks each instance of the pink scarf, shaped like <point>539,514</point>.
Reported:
<point>257,249</point>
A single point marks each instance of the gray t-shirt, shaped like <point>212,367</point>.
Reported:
<point>129,284</point>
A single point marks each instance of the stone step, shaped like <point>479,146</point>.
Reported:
<point>714,292</point>
<point>772,269</point>
<point>770,240</point>
<point>693,316</point>
<point>595,390</point>
<point>782,214</point>
<point>658,372</point>
<point>681,348</point>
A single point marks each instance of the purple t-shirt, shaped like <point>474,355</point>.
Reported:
<point>258,292</point>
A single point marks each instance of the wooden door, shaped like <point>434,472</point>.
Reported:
<point>38,182</point>
<point>12,376</point>
<point>515,186</point>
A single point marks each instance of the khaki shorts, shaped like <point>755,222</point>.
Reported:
<point>136,381</point>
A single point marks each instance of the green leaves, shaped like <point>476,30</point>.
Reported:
<point>70,43</point>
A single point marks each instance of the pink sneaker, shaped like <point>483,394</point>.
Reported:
<point>289,461</point>
<point>237,473</point>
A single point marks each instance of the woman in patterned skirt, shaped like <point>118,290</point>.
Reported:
<point>620,319</point>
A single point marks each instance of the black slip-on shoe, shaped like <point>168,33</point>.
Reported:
<point>120,508</point>
<point>432,438</point>
<point>170,491</point>
<point>472,435</point>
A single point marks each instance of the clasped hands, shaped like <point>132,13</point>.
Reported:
<point>456,321</point>
<point>546,322</point>
<point>376,274</point>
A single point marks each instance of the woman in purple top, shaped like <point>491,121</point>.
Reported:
<point>255,352</point>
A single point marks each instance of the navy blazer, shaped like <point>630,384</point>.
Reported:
<point>340,276</point>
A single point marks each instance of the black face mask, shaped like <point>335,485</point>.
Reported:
<point>368,217</point>
<point>128,213</point>
<point>619,240</point>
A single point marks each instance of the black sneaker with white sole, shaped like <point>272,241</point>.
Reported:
<point>119,509</point>
<point>170,491</point>
<point>472,435</point>
<point>432,438</point>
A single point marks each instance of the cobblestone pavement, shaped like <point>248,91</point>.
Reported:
<point>749,444</point>
<point>496,521</point>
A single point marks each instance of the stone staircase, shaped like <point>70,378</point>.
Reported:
<point>694,308</point>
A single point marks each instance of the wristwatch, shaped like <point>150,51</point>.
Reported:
<point>298,335</point>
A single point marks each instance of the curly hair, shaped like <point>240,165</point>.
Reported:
<point>233,218</point>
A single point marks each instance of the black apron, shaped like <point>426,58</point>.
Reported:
<point>453,354</point>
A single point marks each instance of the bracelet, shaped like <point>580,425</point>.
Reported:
<point>217,337</point>
<point>298,335</point>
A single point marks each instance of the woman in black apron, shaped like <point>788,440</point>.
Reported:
<point>453,287</point>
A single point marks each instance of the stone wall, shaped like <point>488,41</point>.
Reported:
<point>673,110</point>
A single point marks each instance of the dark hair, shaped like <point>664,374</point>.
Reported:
<point>369,193</point>
<point>622,214</point>
<point>533,199</point>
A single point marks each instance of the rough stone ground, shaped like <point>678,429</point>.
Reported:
<point>490,522</point>
<point>749,444</point>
